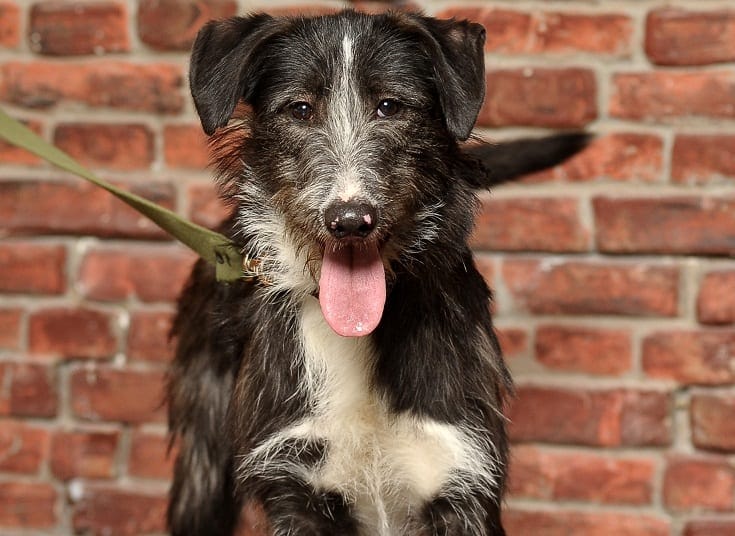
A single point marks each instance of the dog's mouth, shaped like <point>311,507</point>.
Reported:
<point>352,288</point>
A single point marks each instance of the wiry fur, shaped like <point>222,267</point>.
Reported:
<point>397,432</point>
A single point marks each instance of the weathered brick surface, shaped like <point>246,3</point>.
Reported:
<point>76,208</point>
<point>29,390</point>
<point>173,24</point>
<point>699,483</point>
<point>518,32</point>
<point>712,423</point>
<point>586,417</point>
<point>111,394</point>
<point>700,158</point>
<point>543,224</point>
<point>593,351</point>
<point>612,273</point>
<point>119,147</point>
<point>628,157</point>
<point>105,509</point>
<point>72,333</point>
<point>691,357</point>
<point>23,447</point>
<point>75,29</point>
<point>32,269</point>
<point>678,225</point>
<point>89,454</point>
<point>562,98</point>
<point>579,288</point>
<point>716,299</point>
<point>144,87</point>
<point>683,37</point>
<point>664,95</point>
<point>26,504</point>
<point>540,473</point>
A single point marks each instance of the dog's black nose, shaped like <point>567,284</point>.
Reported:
<point>350,219</point>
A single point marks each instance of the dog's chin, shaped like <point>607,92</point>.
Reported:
<point>352,286</point>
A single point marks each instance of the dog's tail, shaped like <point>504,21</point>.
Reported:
<point>508,160</point>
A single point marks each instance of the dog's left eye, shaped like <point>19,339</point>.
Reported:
<point>302,111</point>
<point>388,107</point>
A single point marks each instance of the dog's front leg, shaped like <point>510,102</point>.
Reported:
<point>463,514</point>
<point>293,507</point>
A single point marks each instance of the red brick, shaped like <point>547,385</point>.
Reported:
<point>9,25</point>
<point>173,24</point>
<point>10,325</point>
<point>588,350</point>
<point>118,147</point>
<point>712,423</point>
<point>545,287</point>
<point>72,333</point>
<point>32,268</point>
<point>80,453</point>
<point>111,394</point>
<point>150,273</point>
<point>27,505</point>
<point>205,206</point>
<point>691,357</point>
<point>564,475</point>
<point>185,146</point>
<point>77,208</point>
<point>571,523</point>
<point>676,36</point>
<point>148,336</point>
<point>12,155</point>
<point>104,509</point>
<point>530,224</point>
<point>513,341</point>
<point>619,157</point>
<point>559,98</point>
<point>148,87</point>
<point>23,447</point>
<point>75,29</point>
<point>665,95</point>
<point>587,417</point>
<point>516,32</point>
<point>677,225</point>
<point>29,390</point>
<point>699,483</point>
<point>701,158</point>
<point>149,457</point>
<point>716,299</point>
<point>710,527</point>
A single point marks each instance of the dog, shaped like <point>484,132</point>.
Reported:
<point>356,386</point>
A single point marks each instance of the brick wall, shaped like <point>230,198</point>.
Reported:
<point>613,273</point>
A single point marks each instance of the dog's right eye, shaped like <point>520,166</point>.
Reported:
<point>302,111</point>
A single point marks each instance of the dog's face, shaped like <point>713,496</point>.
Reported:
<point>354,120</point>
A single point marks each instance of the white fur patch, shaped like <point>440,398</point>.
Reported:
<point>387,465</point>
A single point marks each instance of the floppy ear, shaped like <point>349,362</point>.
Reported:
<point>224,63</point>
<point>457,48</point>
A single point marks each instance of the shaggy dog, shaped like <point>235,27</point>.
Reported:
<point>355,387</point>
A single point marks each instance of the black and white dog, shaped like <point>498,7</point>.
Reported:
<point>358,387</point>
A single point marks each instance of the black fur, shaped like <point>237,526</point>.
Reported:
<point>239,377</point>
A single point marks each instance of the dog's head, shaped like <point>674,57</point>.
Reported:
<point>349,161</point>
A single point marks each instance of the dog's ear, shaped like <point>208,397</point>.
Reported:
<point>224,65</point>
<point>457,49</point>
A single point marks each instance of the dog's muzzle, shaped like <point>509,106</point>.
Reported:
<point>352,289</point>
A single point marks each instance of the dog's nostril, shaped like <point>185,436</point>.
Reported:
<point>345,220</point>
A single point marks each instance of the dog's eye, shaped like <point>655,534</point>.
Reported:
<point>388,107</point>
<point>302,111</point>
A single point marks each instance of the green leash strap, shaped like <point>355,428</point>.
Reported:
<point>213,247</point>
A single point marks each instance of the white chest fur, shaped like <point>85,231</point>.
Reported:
<point>388,465</point>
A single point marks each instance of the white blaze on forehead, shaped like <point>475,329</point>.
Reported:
<point>347,52</point>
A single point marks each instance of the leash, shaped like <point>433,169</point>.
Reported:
<point>230,264</point>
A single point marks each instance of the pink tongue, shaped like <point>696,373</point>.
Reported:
<point>352,290</point>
